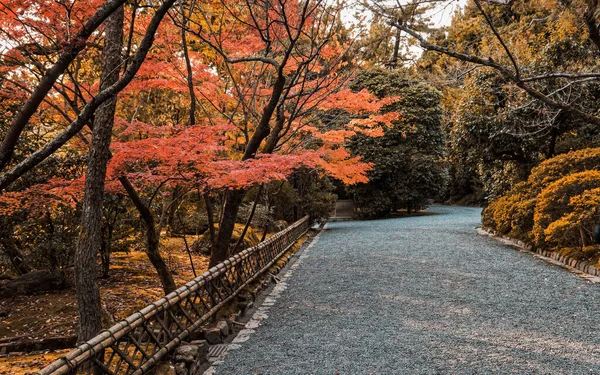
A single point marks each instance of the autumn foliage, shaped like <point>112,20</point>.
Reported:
<point>184,122</point>
<point>556,208</point>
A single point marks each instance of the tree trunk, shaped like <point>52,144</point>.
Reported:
<point>249,221</point>
<point>552,144</point>
<point>209,215</point>
<point>584,237</point>
<point>105,250</point>
<point>152,239</point>
<point>17,259</point>
<point>220,249</point>
<point>396,53</point>
<point>234,198</point>
<point>190,77</point>
<point>90,236</point>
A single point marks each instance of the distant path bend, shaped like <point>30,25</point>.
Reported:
<point>424,295</point>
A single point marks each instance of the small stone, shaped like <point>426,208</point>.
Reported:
<point>202,345</point>
<point>181,369</point>
<point>186,353</point>
<point>213,336</point>
<point>223,327</point>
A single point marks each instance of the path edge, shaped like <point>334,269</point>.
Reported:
<point>580,267</point>
<point>269,296</point>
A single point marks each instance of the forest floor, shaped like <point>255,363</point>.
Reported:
<point>131,286</point>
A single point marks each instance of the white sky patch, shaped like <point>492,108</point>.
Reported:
<point>440,16</point>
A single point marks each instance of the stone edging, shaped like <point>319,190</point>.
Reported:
<point>556,258</point>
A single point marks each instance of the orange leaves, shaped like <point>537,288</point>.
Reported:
<point>340,165</point>
<point>186,154</point>
<point>352,102</point>
<point>231,174</point>
<point>334,137</point>
<point>42,198</point>
<point>356,102</point>
<point>374,120</point>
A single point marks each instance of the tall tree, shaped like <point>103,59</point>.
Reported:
<point>407,159</point>
<point>90,237</point>
<point>280,60</point>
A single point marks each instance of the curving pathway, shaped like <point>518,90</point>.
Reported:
<point>423,295</point>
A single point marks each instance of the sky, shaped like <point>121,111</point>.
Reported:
<point>442,15</point>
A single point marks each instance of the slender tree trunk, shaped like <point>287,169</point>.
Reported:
<point>396,54</point>
<point>105,250</point>
<point>187,246</point>
<point>220,250</point>
<point>552,144</point>
<point>172,209</point>
<point>90,237</point>
<point>268,221</point>
<point>152,237</point>
<point>584,236</point>
<point>249,221</point>
<point>209,214</point>
<point>234,198</point>
<point>190,77</point>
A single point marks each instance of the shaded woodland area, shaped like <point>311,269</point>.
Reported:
<point>146,141</point>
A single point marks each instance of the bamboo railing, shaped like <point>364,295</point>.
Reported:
<point>136,344</point>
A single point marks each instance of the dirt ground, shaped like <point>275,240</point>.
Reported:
<point>131,286</point>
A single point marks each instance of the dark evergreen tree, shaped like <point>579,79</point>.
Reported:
<point>407,160</point>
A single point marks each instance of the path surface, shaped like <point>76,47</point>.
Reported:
<point>344,210</point>
<point>424,295</point>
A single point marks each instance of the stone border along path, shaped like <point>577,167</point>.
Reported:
<point>578,267</point>
<point>420,295</point>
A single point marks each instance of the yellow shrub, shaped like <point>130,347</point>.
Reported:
<point>503,213</point>
<point>563,165</point>
<point>576,226</point>
<point>522,217</point>
<point>555,216</point>
<point>487,216</point>
<point>513,213</point>
<point>557,206</point>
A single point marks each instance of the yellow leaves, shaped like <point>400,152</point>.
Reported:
<point>553,201</point>
<point>562,165</point>
<point>559,204</point>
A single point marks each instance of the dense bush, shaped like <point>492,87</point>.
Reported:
<point>562,165</point>
<point>512,213</point>
<point>556,208</point>
<point>554,201</point>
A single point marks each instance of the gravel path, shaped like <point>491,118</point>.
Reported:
<point>424,295</point>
